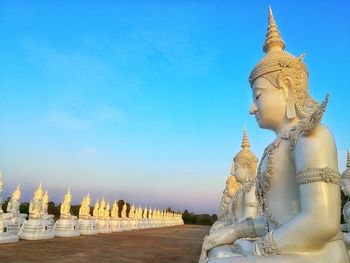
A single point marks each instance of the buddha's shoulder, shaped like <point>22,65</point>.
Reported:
<point>319,138</point>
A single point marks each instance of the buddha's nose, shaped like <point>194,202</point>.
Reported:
<point>253,108</point>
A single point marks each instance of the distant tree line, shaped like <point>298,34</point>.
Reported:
<point>201,219</point>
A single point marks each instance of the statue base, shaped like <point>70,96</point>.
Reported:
<point>124,224</point>
<point>66,227</point>
<point>114,224</point>
<point>87,226</point>
<point>8,231</point>
<point>36,229</point>
<point>102,226</point>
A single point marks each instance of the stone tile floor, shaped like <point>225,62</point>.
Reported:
<point>180,244</point>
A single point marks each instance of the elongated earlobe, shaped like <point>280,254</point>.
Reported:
<point>290,107</point>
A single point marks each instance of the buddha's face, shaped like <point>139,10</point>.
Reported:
<point>345,186</point>
<point>240,173</point>
<point>269,104</point>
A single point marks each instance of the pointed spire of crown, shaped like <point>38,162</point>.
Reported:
<point>245,142</point>
<point>348,160</point>
<point>273,37</point>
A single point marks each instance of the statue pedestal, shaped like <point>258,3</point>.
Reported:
<point>36,229</point>
<point>102,225</point>
<point>114,224</point>
<point>133,224</point>
<point>87,226</point>
<point>67,227</point>
<point>124,224</point>
<point>8,229</point>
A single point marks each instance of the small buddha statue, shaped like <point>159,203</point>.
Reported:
<point>298,182</point>
<point>345,178</point>
<point>65,206</point>
<point>244,204</point>
<point>115,210</point>
<point>35,206</point>
<point>107,211</point>
<point>95,212</point>
<point>84,210</point>
<point>14,203</point>
<point>225,208</point>
<point>145,213</point>
<point>102,209</point>
<point>123,215</point>
<point>132,211</point>
<point>45,203</point>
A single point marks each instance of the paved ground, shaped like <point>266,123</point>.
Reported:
<point>180,244</point>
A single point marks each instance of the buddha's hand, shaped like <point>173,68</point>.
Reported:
<point>217,225</point>
<point>222,236</point>
<point>244,247</point>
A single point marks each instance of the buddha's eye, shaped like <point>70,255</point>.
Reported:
<point>257,96</point>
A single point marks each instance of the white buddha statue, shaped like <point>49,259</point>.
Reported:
<point>95,212</point>
<point>13,208</point>
<point>84,210</point>
<point>102,209</point>
<point>298,182</point>
<point>115,210</point>
<point>67,225</point>
<point>65,206</point>
<point>124,210</point>
<point>87,224</point>
<point>345,178</point>
<point>40,224</point>
<point>225,215</point>
<point>114,221</point>
<point>9,222</point>
<point>35,206</point>
<point>14,203</point>
<point>244,204</point>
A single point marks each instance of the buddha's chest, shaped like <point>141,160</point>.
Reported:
<point>276,187</point>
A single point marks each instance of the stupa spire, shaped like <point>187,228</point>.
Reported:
<point>348,160</point>
<point>245,142</point>
<point>273,37</point>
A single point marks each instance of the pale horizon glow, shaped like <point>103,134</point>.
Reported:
<point>147,102</point>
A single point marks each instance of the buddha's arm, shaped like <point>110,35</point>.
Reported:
<point>250,204</point>
<point>318,179</point>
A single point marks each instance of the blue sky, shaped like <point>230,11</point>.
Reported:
<point>147,101</point>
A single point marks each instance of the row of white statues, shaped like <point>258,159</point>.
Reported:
<point>287,209</point>
<point>104,218</point>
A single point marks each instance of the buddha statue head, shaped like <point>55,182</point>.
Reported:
<point>345,177</point>
<point>231,184</point>
<point>87,200</point>
<point>16,195</point>
<point>46,198</point>
<point>245,162</point>
<point>38,195</point>
<point>279,84</point>
<point>67,197</point>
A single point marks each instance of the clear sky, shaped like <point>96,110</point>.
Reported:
<point>147,100</point>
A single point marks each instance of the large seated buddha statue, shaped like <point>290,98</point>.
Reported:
<point>298,182</point>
